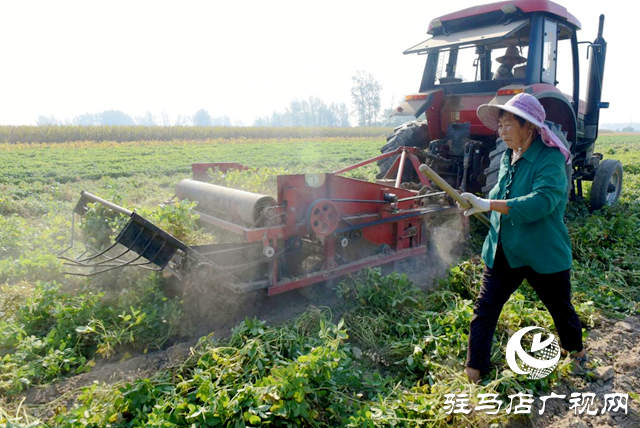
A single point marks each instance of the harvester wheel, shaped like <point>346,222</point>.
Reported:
<point>607,184</point>
<point>410,134</point>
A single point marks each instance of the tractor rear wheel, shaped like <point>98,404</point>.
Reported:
<point>410,134</point>
<point>607,184</point>
<point>491,172</point>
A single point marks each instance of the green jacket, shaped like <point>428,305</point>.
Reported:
<point>533,233</point>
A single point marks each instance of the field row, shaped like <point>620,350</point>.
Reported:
<point>66,133</point>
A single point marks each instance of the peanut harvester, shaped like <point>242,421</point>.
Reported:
<point>319,227</point>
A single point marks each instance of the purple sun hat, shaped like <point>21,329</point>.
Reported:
<point>529,108</point>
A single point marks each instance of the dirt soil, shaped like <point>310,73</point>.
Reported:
<point>614,351</point>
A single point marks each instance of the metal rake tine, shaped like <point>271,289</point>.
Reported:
<point>82,264</point>
<point>130,263</point>
<point>111,247</point>
<point>122,265</point>
<point>98,255</point>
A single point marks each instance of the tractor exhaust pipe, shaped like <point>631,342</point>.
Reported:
<point>594,85</point>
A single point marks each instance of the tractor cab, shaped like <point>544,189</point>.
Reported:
<point>488,54</point>
<point>528,44</point>
<point>475,55</point>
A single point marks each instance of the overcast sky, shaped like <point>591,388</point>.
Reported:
<point>243,59</point>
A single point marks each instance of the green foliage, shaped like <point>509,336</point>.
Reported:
<point>607,258</point>
<point>178,218</point>
<point>56,333</point>
<point>51,164</point>
<point>388,363</point>
<point>67,133</point>
<point>260,180</point>
<point>28,253</point>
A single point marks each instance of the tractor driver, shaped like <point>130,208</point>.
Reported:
<point>511,58</point>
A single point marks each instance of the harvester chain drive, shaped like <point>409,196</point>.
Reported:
<point>253,263</point>
<point>226,269</point>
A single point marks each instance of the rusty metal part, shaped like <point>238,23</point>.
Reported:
<point>87,198</point>
<point>235,205</point>
<point>441,183</point>
<point>323,218</point>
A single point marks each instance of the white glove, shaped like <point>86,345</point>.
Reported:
<point>478,205</point>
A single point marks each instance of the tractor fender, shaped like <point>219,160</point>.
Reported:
<point>560,112</point>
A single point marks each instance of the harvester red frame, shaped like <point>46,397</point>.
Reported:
<point>362,205</point>
<point>344,224</point>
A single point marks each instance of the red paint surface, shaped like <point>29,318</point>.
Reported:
<point>527,6</point>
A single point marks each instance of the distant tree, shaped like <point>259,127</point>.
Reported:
<point>145,120</point>
<point>262,121</point>
<point>365,95</point>
<point>85,119</point>
<point>183,121</point>
<point>628,129</point>
<point>221,121</point>
<point>114,117</point>
<point>278,119</point>
<point>163,119</point>
<point>47,120</point>
<point>310,112</point>
<point>202,118</point>
<point>107,117</point>
<point>340,114</point>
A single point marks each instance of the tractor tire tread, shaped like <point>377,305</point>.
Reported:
<point>404,135</point>
<point>599,187</point>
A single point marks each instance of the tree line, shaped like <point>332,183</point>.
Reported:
<point>120,118</point>
<point>311,112</point>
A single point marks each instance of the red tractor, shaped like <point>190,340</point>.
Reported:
<point>461,73</point>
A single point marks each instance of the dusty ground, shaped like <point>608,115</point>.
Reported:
<point>614,349</point>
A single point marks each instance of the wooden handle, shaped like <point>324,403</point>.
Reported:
<point>439,181</point>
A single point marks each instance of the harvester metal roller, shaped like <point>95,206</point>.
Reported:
<point>235,205</point>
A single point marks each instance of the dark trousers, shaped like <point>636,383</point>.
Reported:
<point>498,283</point>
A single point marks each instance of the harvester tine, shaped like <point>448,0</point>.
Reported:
<point>140,265</point>
<point>108,249</point>
<point>122,265</point>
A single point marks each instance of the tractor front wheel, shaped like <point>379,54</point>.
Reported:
<point>607,184</point>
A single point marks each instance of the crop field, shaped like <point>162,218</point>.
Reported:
<point>387,359</point>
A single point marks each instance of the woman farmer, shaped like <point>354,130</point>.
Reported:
<point>527,238</point>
